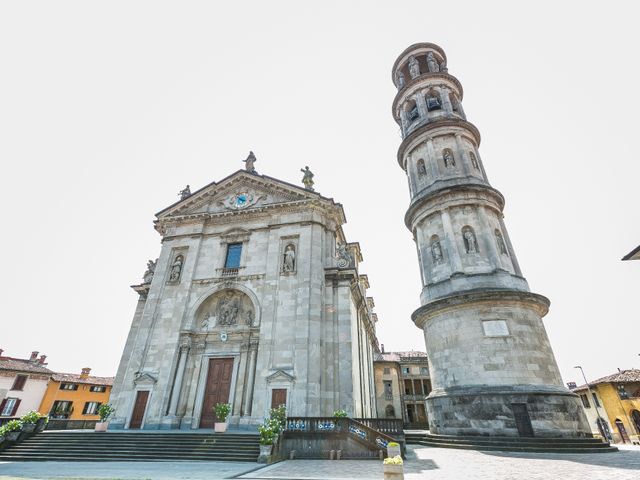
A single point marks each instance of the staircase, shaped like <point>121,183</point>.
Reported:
<point>512,444</point>
<point>134,446</point>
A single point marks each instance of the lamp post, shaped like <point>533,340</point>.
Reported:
<point>603,426</point>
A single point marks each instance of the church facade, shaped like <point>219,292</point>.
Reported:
<point>255,300</point>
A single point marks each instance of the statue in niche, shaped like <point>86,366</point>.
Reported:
<point>501,245</point>
<point>443,67</point>
<point>432,64</point>
<point>289,262</point>
<point>176,269</point>
<point>248,163</point>
<point>390,411</point>
<point>344,257</point>
<point>470,242</point>
<point>422,170</point>
<point>228,309</point>
<point>151,269</point>
<point>447,156</point>
<point>436,251</point>
<point>249,317</point>
<point>206,321</point>
<point>414,67</point>
<point>185,192</point>
<point>307,179</point>
<point>400,81</point>
<point>474,160</point>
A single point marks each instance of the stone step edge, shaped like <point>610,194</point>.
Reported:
<point>511,448</point>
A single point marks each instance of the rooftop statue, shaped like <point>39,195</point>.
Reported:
<point>307,179</point>
<point>248,163</point>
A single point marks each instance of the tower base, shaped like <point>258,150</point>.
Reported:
<point>512,411</point>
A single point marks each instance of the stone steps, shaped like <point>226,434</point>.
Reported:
<point>513,444</point>
<point>91,446</point>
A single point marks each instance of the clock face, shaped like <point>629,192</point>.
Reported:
<point>241,200</point>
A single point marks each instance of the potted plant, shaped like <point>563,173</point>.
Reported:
<point>393,449</point>
<point>105,411</point>
<point>222,413</point>
<point>11,430</point>
<point>270,431</point>
<point>340,414</point>
<point>29,421</point>
<point>41,423</point>
<point>392,468</point>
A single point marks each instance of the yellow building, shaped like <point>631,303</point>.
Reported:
<point>617,397</point>
<point>75,397</point>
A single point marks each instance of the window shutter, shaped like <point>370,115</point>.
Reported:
<point>15,407</point>
<point>86,407</point>
<point>2,404</point>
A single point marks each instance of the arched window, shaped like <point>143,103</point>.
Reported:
<point>436,249</point>
<point>422,170</point>
<point>412,111</point>
<point>448,158</point>
<point>474,160</point>
<point>470,241</point>
<point>433,101</point>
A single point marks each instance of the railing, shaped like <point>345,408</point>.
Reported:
<point>60,424</point>
<point>230,272</point>
<point>390,426</point>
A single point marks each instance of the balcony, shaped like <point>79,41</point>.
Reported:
<point>230,272</point>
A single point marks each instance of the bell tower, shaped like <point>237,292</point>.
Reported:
<point>492,368</point>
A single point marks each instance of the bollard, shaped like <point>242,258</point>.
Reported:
<point>339,455</point>
<point>292,455</point>
<point>332,455</point>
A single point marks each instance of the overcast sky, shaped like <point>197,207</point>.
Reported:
<point>108,109</point>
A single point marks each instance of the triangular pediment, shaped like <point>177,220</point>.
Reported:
<point>241,191</point>
<point>144,378</point>
<point>280,376</point>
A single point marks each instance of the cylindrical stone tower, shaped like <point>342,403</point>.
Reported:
<point>492,368</point>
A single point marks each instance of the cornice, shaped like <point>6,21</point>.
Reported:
<point>423,77</point>
<point>414,47</point>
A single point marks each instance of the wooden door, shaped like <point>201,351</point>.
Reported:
<point>139,408</point>
<point>523,420</point>
<point>622,431</point>
<point>278,397</point>
<point>216,390</point>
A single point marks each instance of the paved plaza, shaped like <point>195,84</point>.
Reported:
<point>422,463</point>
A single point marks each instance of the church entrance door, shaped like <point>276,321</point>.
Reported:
<point>139,408</point>
<point>278,397</point>
<point>216,390</point>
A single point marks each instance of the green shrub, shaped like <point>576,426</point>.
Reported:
<point>273,425</point>
<point>222,411</point>
<point>105,410</point>
<point>10,426</point>
<point>340,414</point>
<point>31,417</point>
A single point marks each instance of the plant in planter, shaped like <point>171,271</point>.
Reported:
<point>105,411</point>
<point>29,421</point>
<point>340,414</point>
<point>270,431</point>
<point>393,449</point>
<point>11,430</point>
<point>222,413</point>
<point>393,469</point>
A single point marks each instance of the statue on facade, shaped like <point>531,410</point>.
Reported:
<point>151,269</point>
<point>432,64</point>
<point>500,241</point>
<point>470,243</point>
<point>176,269</point>
<point>474,160</point>
<point>436,252</point>
<point>289,262</point>
<point>249,317</point>
<point>422,170</point>
<point>206,321</point>
<point>185,193</point>
<point>443,67</point>
<point>343,255</point>
<point>228,309</point>
<point>308,178</point>
<point>400,81</point>
<point>447,156</point>
<point>249,162</point>
<point>414,67</point>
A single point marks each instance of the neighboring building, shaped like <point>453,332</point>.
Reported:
<point>255,300</point>
<point>75,397</point>
<point>23,383</point>
<point>619,397</point>
<point>402,386</point>
<point>492,367</point>
<point>633,254</point>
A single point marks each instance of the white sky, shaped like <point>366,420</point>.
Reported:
<point>108,109</point>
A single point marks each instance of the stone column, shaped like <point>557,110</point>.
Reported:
<point>492,249</point>
<point>481,165</point>
<point>461,155</point>
<point>404,122</point>
<point>460,109</point>
<point>452,245</point>
<point>248,392</point>
<point>446,100</point>
<point>422,107</point>
<point>512,255</point>
<point>177,384</point>
<point>433,160</point>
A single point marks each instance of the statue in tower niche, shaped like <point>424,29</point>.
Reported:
<point>185,193</point>
<point>474,160</point>
<point>436,251</point>
<point>151,269</point>
<point>449,160</point>
<point>176,268</point>
<point>308,178</point>
<point>432,64</point>
<point>414,67</point>
<point>470,242</point>
<point>228,309</point>
<point>400,81</point>
<point>289,262</point>
<point>249,163</point>
<point>500,241</point>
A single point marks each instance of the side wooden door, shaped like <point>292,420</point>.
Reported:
<point>217,389</point>
<point>278,397</point>
<point>139,408</point>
